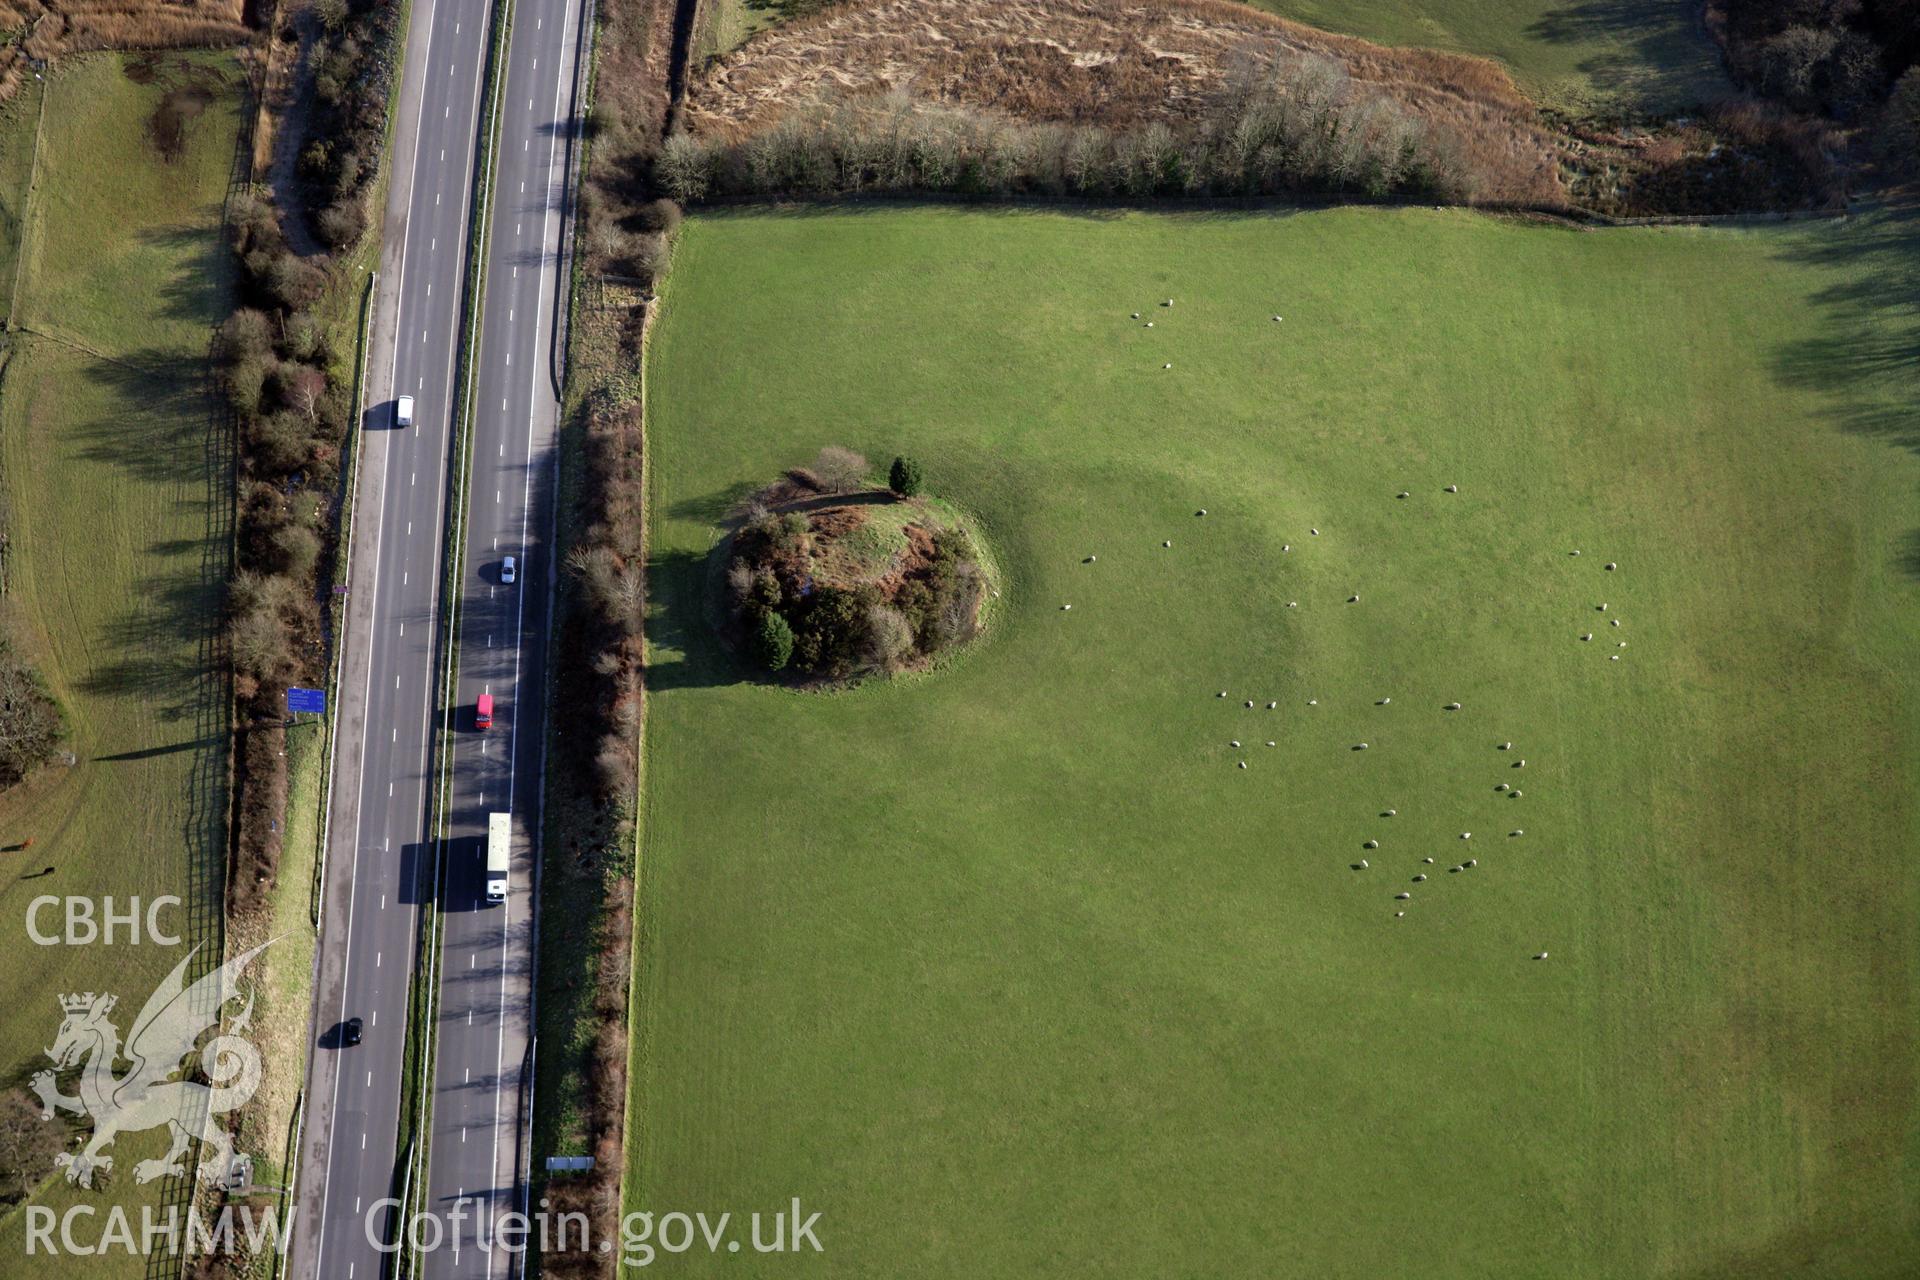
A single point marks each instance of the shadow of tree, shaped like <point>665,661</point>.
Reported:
<point>1865,360</point>
<point>1637,47</point>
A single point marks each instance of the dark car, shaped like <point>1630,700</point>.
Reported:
<point>350,1033</point>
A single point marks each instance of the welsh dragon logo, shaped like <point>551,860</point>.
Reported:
<point>144,1096</point>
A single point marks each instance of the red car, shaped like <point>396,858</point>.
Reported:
<point>483,712</point>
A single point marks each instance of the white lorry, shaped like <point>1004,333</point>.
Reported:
<point>499,833</point>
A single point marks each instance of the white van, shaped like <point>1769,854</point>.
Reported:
<point>403,411</point>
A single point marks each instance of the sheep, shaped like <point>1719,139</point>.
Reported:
<point>1501,787</point>
<point>1273,744</point>
<point>1353,599</point>
<point>1516,832</point>
<point>1371,844</point>
<point>1167,543</point>
<point>1136,315</point>
<point>1515,794</point>
<point>1623,644</point>
<point>1090,560</point>
<point>1399,915</point>
<point>1167,303</point>
<point>1520,763</point>
<point>1360,865</point>
<point>1421,878</point>
<point>1249,704</point>
<point>1451,706</point>
<point>1466,835</point>
<point>1065,607</point>
<point>1401,897</point>
<point>1273,706</point>
<point>1614,623</point>
<point>1293,604</point>
<point>1167,365</point>
<point>1388,813</point>
<point>1611,566</point>
<point>1149,324</point>
<point>1243,764</point>
<point>1359,746</point>
<point>1601,607</point>
<point>1541,956</point>
<point>1453,488</point>
<point>1574,552</point>
<point>1506,746</point>
<point>1613,657</point>
<point>1427,861</point>
<point>1313,702</point>
<point>1235,744</point>
<point>1276,319</point>
<point>1471,862</point>
<point>1314,532</point>
<point>1223,693</point>
<point>1286,546</point>
<point>1383,702</point>
<point>1403,494</point>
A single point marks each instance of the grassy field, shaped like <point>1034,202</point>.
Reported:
<point>118,502</point>
<point>1572,54</point>
<point>1012,971</point>
<point>18,116</point>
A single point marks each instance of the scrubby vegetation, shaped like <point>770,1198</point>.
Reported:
<point>879,583</point>
<point>29,719</point>
<point>352,80</point>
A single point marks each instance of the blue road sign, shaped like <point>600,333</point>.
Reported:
<point>314,700</point>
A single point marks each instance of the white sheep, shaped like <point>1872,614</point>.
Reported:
<point>1453,706</point>
<point>1453,488</point>
<point>1371,844</point>
<point>1541,956</point>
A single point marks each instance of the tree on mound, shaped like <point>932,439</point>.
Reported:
<point>837,585</point>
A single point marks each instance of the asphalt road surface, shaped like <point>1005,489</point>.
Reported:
<point>381,857</point>
<point>487,950</point>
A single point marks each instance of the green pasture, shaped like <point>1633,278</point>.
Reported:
<point>1010,970</point>
<point>118,502</point>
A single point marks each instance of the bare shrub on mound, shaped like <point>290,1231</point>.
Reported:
<point>840,469</point>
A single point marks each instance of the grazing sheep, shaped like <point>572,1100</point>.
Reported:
<point>1421,878</point>
<point>1371,844</point>
<point>1520,763</point>
<point>1360,865</point>
<point>1471,862</point>
<point>1614,623</point>
<point>1293,604</point>
<point>1453,488</point>
<point>1353,599</point>
<point>1399,915</point>
<point>1314,532</point>
<point>1388,813</point>
<point>1403,494</point>
<point>1452,706</point>
<point>1575,551</point>
<point>1167,303</point>
<point>1613,657</point>
<point>1515,794</point>
<point>1622,644</point>
<point>1427,861</point>
<point>1276,319</point>
<point>1136,315</point>
<point>1453,870</point>
<point>1149,324</point>
<point>1167,365</point>
<point>1602,606</point>
<point>1501,787</point>
<point>1167,543</point>
<point>1273,706</point>
<point>1223,693</point>
<point>1243,764</point>
<point>1286,546</point>
<point>1506,746</point>
<point>1235,744</point>
<point>1273,744</point>
<point>1359,746</point>
<point>1090,560</point>
<point>1313,702</point>
<point>1466,835</point>
<point>1401,897</point>
<point>1249,704</point>
<point>1611,566</point>
<point>1512,834</point>
<point>1383,702</point>
<point>1065,607</point>
<point>1541,956</point>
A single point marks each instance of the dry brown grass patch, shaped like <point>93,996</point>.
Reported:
<point>1117,63</point>
<point>56,27</point>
